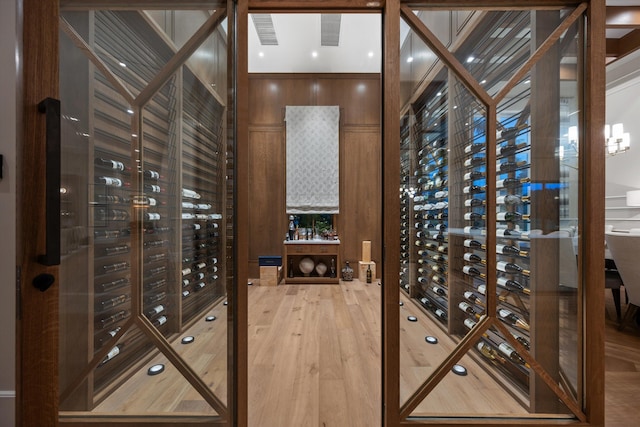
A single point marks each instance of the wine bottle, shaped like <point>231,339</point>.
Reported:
<point>473,298</point>
<point>118,266</point>
<point>103,337</point>
<point>144,201</point>
<point>185,293</point>
<point>155,285</point>
<point>152,188</point>
<point>186,271</point>
<point>150,299</point>
<point>474,244</point>
<point>471,257</point>
<point>188,205</point>
<point>111,181</point>
<point>510,352</point>
<point>473,272</point>
<point>469,323</point>
<point>155,257</point>
<point>511,182</point>
<point>108,303</point>
<point>151,216</point>
<point>509,149</point>
<point>522,340</point>
<point>512,285</point>
<point>112,353</point>
<point>111,215</point>
<point>114,284</point>
<point>439,291</point>
<point>111,199</point>
<point>439,258</point>
<point>472,203</point>
<point>151,174</point>
<point>473,148</point>
<point>511,268</point>
<point>513,319</point>
<point>200,265</point>
<point>505,167</point>
<point>441,314</point>
<point>511,200</point>
<point>190,194</point>
<point>113,318</point>
<point>471,230</point>
<point>467,308</point>
<point>473,216</point>
<point>510,250</point>
<point>507,133</point>
<point>154,243</point>
<point>509,233</point>
<point>511,216</point>
<point>199,286</point>
<point>109,164</point>
<point>473,175</point>
<point>438,268</point>
<point>472,189</point>
<point>160,321</point>
<point>156,271</point>
<point>474,161</point>
<point>489,352</point>
<point>154,311</point>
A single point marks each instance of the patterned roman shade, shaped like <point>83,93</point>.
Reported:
<point>313,152</point>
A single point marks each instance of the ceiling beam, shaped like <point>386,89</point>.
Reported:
<point>617,48</point>
<point>623,17</point>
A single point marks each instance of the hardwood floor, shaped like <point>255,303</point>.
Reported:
<point>622,371</point>
<point>314,360</point>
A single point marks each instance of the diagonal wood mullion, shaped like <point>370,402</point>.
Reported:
<point>540,51</point>
<point>181,56</point>
<point>539,370</point>
<point>97,358</point>
<point>78,41</point>
<point>178,362</point>
<point>443,369</point>
<point>444,55</point>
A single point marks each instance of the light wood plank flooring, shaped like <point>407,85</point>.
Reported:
<point>622,371</point>
<point>314,360</point>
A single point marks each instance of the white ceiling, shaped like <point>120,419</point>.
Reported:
<point>298,37</point>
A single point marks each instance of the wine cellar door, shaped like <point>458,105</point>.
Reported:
<point>145,194</point>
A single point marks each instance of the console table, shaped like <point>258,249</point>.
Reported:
<point>319,251</point>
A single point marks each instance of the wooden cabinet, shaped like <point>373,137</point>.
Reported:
<point>320,251</point>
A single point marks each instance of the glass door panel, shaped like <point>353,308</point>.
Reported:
<point>144,275</point>
<point>489,214</point>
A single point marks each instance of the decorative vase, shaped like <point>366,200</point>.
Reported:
<point>321,269</point>
<point>306,266</point>
<point>347,272</point>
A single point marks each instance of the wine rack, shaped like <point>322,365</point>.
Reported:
<point>156,203</point>
<point>445,208</point>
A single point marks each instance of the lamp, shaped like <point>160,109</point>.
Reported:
<point>633,198</point>
<point>616,140</point>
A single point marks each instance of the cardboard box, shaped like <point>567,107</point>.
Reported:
<point>270,275</point>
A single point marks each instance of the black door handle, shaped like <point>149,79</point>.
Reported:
<point>51,108</point>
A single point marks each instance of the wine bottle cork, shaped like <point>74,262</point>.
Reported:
<point>366,250</point>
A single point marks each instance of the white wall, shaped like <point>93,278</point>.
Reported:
<point>623,170</point>
<point>8,126</point>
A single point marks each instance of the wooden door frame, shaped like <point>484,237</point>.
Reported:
<point>37,326</point>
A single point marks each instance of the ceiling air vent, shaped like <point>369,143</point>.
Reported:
<point>264,28</point>
<point>330,29</point>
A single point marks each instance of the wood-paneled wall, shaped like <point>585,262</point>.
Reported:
<point>359,98</point>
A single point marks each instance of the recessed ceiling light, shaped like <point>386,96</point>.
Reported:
<point>314,54</point>
<point>410,59</point>
<point>483,82</point>
<point>470,59</point>
<point>439,94</point>
<point>527,82</point>
<point>122,64</point>
<point>370,54</point>
<point>130,111</point>
<point>261,54</point>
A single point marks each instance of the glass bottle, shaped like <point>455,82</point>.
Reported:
<point>347,272</point>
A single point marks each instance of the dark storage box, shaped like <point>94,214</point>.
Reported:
<point>264,261</point>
